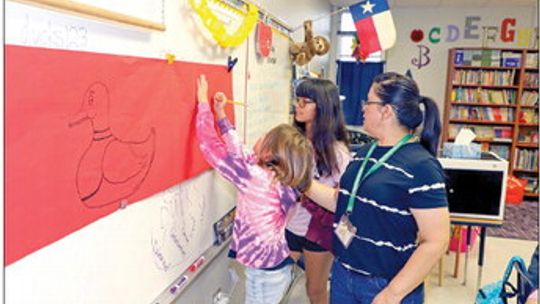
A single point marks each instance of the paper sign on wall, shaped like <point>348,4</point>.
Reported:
<point>87,134</point>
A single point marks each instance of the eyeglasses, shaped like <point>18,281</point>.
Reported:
<point>303,101</point>
<point>365,103</point>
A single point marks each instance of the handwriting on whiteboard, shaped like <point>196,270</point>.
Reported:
<point>182,214</point>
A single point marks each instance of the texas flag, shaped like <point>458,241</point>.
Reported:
<point>374,26</point>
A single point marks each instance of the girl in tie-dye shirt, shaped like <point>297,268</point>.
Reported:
<point>268,180</point>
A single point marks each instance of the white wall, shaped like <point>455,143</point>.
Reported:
<point>432,77</point>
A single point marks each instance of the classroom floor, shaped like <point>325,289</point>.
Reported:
<point>498,252</point>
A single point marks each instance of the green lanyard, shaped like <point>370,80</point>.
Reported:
<point>360,177</point>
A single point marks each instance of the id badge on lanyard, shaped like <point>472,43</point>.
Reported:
<point>345,230</point>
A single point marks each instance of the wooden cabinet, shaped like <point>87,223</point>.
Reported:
<point>494,92</point>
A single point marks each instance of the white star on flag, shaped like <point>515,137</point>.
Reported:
<point>368,7</point>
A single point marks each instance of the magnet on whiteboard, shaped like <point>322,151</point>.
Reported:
<point>170,58</point>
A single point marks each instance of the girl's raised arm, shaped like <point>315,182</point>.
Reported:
<point>216,152</point>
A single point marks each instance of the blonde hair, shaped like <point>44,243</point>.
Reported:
<point>289,154</point>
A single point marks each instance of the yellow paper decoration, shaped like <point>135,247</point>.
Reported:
<point>218,30</point>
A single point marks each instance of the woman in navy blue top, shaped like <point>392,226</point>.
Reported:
<point>391,211</point>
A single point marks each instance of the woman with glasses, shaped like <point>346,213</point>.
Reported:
<point>319,116</point>
<point>391,214</point>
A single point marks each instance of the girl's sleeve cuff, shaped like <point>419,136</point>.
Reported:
<point>224,125</point>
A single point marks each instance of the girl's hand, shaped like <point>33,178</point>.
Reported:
<point>202,89</point>
<point>219,104</point>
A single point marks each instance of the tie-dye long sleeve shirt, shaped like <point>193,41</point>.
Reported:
<point>262,202</point>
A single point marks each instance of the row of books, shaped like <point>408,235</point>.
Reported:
<point>526,159</point>
<point>487,58</point>
<point>529,98</point>
<point>500,78</point>
<point>531,60</point>
<point>494,58</point>
<point>496,133</point>
<point>531,80</point>
<point>482,113</point>
<point>528,116</point>
<point>484,96</point>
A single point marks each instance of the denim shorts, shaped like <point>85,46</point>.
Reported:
<point>353,287</point>
<point>267,286</point>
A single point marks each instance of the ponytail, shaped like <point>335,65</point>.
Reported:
<point>431,131</point>
<point>402,93</point>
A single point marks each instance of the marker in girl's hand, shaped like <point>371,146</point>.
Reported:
<point>238,103</point>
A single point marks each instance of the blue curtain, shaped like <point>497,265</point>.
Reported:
<point>354,80</point>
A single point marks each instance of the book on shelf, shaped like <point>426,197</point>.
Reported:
<point>495,58</point>
<point>511,59</point>
<point>531,79</point>
<point>497,97</point>
<point>476,58</point>
<point>529,98</point>
<point>485,59</point>
<point>467,57</point>
<point>531,60</point>
<point>458,57</point>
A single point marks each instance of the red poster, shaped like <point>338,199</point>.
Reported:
<point>87,134</point>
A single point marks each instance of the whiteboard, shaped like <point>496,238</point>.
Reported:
<point>269,88</point>
<point>133,254</point>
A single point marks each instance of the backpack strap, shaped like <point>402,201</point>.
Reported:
<point>508,290</point>
<point>518,262</point>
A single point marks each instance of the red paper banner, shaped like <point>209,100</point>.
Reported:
<point>87,134</point>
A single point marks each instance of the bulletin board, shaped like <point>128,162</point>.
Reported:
<point>66,241</point>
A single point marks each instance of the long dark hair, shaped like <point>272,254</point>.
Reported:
<point>329,124</point>
<point>402,93</point>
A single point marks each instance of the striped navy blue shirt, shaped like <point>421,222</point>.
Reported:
<point>386,230</point>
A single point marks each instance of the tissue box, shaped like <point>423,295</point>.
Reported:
<point>452,150</point>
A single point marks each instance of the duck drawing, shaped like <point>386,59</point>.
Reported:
<point>110,169</point>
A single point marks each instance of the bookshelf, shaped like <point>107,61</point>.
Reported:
<point>494,92</point>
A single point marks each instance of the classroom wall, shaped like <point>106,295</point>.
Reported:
<point>427,59</point>
<point>97,262</point>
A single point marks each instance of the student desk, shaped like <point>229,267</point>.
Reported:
<point>483,224</point>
